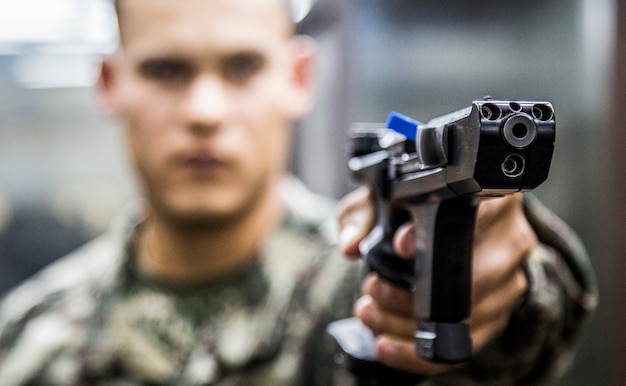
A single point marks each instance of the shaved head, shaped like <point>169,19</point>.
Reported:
<point>284,7</point>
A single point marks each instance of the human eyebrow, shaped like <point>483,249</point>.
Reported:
<point>169,70</point>
<point>241,67</point>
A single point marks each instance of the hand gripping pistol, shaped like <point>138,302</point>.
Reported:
<point>435,174</point>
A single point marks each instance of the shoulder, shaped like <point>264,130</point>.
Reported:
<point>308,238</point>
<point>66,287</point>
<point>310,227</point>
<point>307,211</point>
<point>44,321</point>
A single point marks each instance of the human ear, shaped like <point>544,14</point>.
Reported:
<point>107,85</point>
<point>303,78</point>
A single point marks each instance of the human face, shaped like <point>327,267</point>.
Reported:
<point>207,91</point>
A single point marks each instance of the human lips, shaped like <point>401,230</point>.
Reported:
<point>203,162</point>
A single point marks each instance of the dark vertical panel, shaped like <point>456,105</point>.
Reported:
<point>617,220</point>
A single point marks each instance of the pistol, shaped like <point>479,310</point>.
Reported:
<point>435,174</point>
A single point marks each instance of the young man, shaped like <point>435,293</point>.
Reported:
<point>228,274</point>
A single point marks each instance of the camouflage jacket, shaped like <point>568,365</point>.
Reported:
<point>92,319</point>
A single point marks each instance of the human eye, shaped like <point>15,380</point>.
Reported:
<point>166,71</point>
<point>241,68</point>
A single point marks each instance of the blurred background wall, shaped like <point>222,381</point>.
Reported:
<point>63,171</point>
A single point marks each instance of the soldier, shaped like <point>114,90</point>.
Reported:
<point>229,270</point>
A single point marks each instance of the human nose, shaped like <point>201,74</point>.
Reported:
<point>205,103</point>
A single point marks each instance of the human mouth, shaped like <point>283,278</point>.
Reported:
<point>203,162</point>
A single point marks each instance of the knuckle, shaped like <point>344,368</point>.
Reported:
<point>525,239</point>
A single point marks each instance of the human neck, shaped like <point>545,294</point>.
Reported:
<point>172,255</point>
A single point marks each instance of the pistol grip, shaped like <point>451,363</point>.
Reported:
<point>443,279</point>
<point>439,275</point>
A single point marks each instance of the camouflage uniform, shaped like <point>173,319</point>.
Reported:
<point>92,319</point>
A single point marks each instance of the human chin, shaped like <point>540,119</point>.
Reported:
<point>207,207</point>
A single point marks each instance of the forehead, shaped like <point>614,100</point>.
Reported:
<point>226,22</point>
